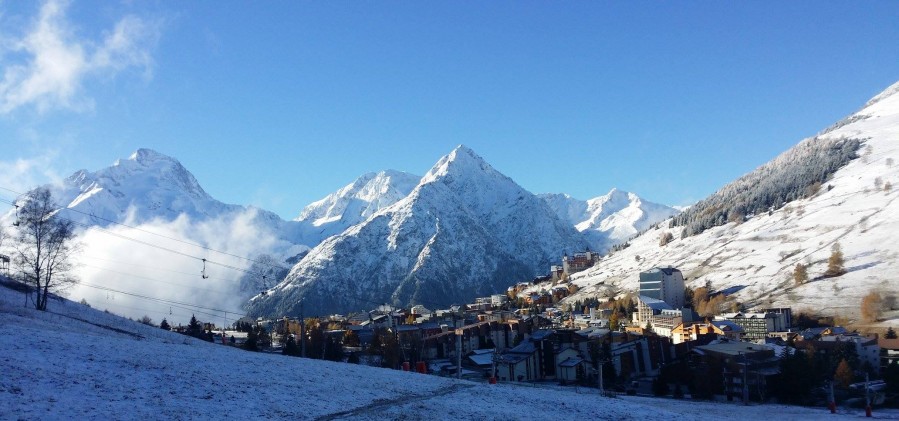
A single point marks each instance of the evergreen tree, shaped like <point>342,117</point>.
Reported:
<point>374,347</point>
<point>678,391</point>
<point>796,379</point>
<point>165,325</point>
<point>333,349</point>
<point>659,387</point>
<point>688,297</point>
<point>835,262</point>
<point>891,334</point>
<point>290,347</point>
<point>315,347</point>
<point>891,377</point>
<point>795,174</point>
<point>608,372</point>
<point>195,328</point>
<point>252,342</point>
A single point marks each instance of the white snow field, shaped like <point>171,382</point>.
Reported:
<point>74,362</point>
<point>755,259</point>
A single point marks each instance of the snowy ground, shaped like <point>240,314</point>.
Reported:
<point>76,362</point>
<point>755,260</point>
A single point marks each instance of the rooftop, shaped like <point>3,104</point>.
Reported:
<point>734,348</point>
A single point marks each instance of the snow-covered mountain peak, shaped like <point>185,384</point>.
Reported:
<point>614,197</point>
<point>357,201</point>
<point>485,191</point>
<point>888,92</point>
<point>147,156</point>
<point>151,183</point>
<point>465,230</point>
<point>609,219</point>
<point>461,162</point>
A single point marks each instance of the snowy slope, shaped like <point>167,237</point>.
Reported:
<point>609,219</point>
<point>75,362</point>
<point>465,230</point>
<point>357,201</point>
<point>756,258</point>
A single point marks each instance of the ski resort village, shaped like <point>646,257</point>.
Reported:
<point>448,211</point>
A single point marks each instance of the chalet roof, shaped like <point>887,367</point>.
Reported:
<point>666,270</point>
<point>888,343</point>
<point>429,325</point>
<point>542,334</point>
<point>747,315</point>
<point>593,332</point>
<point>727,326</point>
<point>571,362</point>
<point>814,332</point>
<point>525,347</point>
<point>511,358</point>
<point>482,359</point>
<point>655,304</point>
<point>733,348</point>
<point>408,328</point>
<point>358,318</point>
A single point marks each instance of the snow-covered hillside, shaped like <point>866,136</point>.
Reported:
<point>610,219</point>
<point>74,362</point>
<point>465,230</point>
<point>357,201</point>
<point>857,208</point>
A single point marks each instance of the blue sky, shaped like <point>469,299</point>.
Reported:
<point>277,104</point>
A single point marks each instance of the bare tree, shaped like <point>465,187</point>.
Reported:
<point>800,274</point>
<point>872,306</point>
<point>44,246</point>
<point>665,238</point>
<point>835,262</point>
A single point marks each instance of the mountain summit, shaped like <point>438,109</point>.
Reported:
<point>148,184</point>
<point>356,202</point>
<point>610,219</point>
<point>465,230</point>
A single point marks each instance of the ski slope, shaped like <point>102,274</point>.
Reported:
<point>75,362</point>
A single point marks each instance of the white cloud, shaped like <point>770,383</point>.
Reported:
<point>24,174</point>
<point>171,270</point>
<point>50,63</point>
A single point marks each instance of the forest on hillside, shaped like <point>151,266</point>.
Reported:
<point>797,173</point>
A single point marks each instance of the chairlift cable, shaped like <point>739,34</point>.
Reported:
<point>144,231</point>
